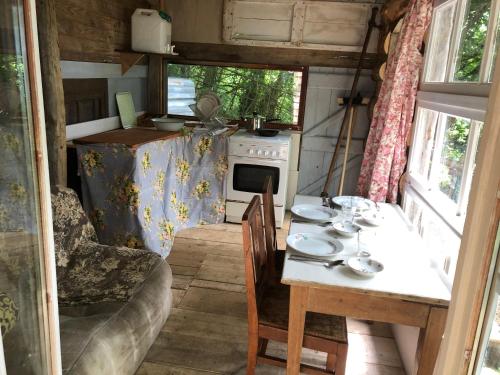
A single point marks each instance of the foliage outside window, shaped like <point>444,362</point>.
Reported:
<point>273,93</point>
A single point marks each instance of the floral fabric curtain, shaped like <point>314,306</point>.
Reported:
<point>385,154</point>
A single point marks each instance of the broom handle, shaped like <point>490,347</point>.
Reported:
<point>371,25</point>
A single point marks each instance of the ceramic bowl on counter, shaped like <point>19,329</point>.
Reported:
<point>168,124</point>
<point>365,266</point>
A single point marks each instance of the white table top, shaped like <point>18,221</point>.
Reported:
<point>408,273</point>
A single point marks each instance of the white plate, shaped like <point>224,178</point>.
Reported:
<point>346,228</point>
<point>365,266</point>
<point>372,217</point>
<point>314,244</point>
<point>314,212</point>
<point>362,204</point>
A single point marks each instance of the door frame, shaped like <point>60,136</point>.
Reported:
<point>476,250</point>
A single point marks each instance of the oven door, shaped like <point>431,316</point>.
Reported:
<point>246,178</point>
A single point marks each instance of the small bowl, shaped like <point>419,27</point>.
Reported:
<point>346,228</point>
<point>168,124</point>
<point>372,217</point>
<point>365,266</point>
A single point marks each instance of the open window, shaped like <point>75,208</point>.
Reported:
<point>448,123</point>
<point>276,92</point>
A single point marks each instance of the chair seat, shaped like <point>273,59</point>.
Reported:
<point>273,312</point>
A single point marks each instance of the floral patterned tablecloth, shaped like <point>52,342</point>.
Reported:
<point>141,197</point>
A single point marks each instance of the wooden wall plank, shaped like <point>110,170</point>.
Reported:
<point>94,30</point>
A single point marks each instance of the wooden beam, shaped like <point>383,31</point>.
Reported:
<point>53,93</point>
<point>155,85</point>
<point>269,55</point>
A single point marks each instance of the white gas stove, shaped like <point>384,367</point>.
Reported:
<point>251,159</point>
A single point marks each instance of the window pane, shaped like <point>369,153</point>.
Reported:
<point>443,26</point>
<point>271,93</point>
<point>424,143</point>
<point>452,156</point>
<point>472,41</point>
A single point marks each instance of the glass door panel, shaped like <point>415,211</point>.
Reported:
<point>23,308</point>
<point>488,362</point>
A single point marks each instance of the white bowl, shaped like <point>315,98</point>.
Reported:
<point>365,266</point>
<point>168,124</point>
<point>372,217</point>
<point>346,228</point>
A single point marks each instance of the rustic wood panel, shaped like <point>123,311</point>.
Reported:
<point>93,30</point>
<point>85,99</point>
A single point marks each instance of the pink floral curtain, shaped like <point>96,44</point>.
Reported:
<point>385,154</point>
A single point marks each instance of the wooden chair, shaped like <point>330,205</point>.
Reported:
<point>276,256</point>
<point>268,308</point>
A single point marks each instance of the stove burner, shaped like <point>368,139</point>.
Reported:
<point>267,132</point>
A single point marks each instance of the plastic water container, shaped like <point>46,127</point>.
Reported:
<point>150,31</point>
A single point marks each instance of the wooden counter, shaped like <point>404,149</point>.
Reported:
<point>132,138</point>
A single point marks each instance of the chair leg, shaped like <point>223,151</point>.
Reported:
<point>341,359</point>
<point>331,362</point>
<point>253,347</point>
<point>263,346</point>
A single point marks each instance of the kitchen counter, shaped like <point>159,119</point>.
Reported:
<point>140,186</point>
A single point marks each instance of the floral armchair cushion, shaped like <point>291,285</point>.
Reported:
<point>71,225</point>
<point>88,272</point>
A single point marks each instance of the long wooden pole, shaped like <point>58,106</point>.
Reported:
<point>352,121</point>
<point>53,92</point>
<point>371,25</point>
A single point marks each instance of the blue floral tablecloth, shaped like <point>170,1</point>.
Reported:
<point>141,197</point>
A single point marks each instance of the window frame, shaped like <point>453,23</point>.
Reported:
<point>281,126</point>
<point>467,100</point>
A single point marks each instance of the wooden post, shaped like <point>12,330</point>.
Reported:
<point>53,93</point>
<point>155,85</point>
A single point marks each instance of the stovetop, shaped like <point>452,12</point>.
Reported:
<point>243,135</point>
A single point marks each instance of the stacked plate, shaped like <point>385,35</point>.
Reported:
<point>207,106</point>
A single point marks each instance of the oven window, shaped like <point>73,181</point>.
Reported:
<point>250,178</point>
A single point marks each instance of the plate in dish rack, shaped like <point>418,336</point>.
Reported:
<point>314,244</point>
<point>313,212</point>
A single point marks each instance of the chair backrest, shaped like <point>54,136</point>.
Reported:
<point>256,259</point>
<point>269,219</point>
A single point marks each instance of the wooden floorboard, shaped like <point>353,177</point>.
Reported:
<point>206,331</point>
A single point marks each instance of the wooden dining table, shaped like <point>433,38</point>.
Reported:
<point>408,291</point>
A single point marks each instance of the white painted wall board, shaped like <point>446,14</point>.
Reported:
<point>322,120</point>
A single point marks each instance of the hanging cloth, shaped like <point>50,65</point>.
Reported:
<point>384,159</point>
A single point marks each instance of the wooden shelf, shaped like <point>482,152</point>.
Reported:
<point>130,58</point>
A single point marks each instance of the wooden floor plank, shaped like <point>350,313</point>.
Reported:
<point>183,245</point>
<point>150,368</point>
<point>369,328</point>
<point>203,233</point>
<point>215,302</point>
<point>209,284</point>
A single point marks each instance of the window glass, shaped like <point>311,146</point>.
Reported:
<point>272,93</point>
<point>21,284</point>
<point>472,41</point>
<point>452,156</point>
<point>442,31</point>
<point>427,120</point>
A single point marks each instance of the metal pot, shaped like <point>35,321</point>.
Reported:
<point>257,121</point>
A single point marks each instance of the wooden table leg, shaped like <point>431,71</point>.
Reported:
<point>429,341</point>
<point>296,321</point>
